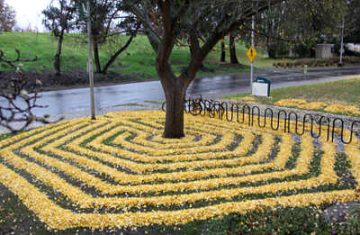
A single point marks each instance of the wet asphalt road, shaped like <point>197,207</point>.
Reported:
<point>148,95</point>
<point>222,86</point>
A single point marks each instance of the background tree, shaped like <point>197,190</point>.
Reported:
<point>177,18</point>
<point>313,22</point>
<point>232,48</point>
<point>7,17</point>
<point>109,19</point>
<point>352,21</point>
<point>59,18</point>
<point>222,50</point>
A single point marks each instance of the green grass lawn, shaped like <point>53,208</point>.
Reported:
<point>4,136</point>
<point>344,92</point>
<point>138,59</point>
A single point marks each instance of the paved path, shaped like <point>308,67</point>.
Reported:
<point>148,95</point>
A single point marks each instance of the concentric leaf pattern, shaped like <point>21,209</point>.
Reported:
<point>118,171</point>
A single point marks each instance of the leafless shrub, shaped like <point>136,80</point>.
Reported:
<point>19,98</point>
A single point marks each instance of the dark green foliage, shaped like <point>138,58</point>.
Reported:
<point>352,26</point>
<point>7,17</point>
<point>293,28</point>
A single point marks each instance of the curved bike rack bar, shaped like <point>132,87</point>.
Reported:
<point>292,121</point>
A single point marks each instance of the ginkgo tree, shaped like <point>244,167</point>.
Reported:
<point>176,18</point>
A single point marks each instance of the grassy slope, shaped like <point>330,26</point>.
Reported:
<point>344,91</point>
<point>347,91</point>
<point>139,59</point>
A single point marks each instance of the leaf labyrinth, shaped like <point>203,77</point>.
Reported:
<point>119,172</point>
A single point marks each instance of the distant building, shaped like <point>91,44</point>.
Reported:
<point>324,51</point>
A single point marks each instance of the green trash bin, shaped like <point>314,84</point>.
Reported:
<point>264,81</point>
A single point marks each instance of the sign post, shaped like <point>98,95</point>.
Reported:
<point>342,43</point>
<point>252,53</point>
<point>90,63</point>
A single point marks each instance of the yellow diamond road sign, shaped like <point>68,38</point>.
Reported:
<point>251,54</point>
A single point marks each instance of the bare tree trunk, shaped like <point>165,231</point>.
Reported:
<point>116,54</point>
<point>223,52</point>
<point>232,47</point>
<point>174,122</point>
<point>97,57</point>
<point>57,59</point>
<point>202,66</point>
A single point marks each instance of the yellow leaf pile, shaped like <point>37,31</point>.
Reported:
<point>120,165</point>
<point>332,108</point>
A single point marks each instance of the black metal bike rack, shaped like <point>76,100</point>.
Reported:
<point>292,122</point>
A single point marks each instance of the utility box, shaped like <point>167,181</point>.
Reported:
<point>324,51</point>
<point>261,87</point>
